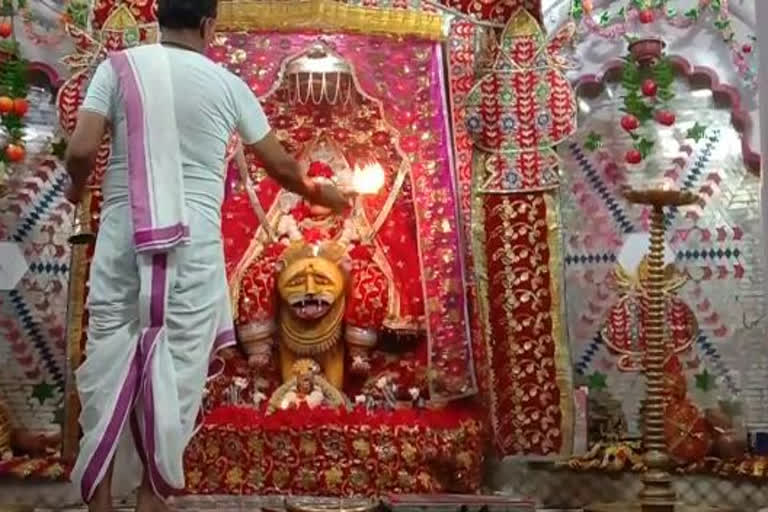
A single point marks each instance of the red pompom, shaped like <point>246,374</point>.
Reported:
<point>361,252</point>
<point>301,211</point>
<point>313,236</point>
<point>320,170</point>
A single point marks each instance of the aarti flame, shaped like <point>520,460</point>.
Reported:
<point>368,179</point>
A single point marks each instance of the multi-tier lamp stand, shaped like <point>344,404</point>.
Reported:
<point>658,494</point>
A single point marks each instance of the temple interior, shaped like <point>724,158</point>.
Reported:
<point>548,294</point>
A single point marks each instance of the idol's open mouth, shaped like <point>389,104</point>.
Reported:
<point>310,307</point>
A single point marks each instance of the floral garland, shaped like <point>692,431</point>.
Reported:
<point>13,90</point>
<point>619,23</point>
<point>648,91</point>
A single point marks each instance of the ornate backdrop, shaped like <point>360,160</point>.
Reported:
<point>715,244</point>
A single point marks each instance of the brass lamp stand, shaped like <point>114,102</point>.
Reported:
<point>81,238</point>
<point>658,494</point>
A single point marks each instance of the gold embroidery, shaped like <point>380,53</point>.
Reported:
<point>328,15</point>
<point>562,350</point>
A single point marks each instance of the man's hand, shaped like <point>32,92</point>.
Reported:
<point>325,194</point>
<point>74,193</point>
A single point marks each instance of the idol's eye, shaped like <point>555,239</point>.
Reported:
<point>322,280</point>
<point>296,281</point>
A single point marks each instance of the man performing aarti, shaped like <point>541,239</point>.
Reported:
<point>159,302</point>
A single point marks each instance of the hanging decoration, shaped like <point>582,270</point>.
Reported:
<point>13,90</point>
<point>515,114</point>
<point>648,91</point>
<point>614,23</point>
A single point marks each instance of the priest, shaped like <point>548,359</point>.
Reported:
<point>158,302</point>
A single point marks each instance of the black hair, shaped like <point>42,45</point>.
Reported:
<point>185,14</point>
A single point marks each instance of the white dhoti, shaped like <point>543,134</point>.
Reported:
<point>158,302</point>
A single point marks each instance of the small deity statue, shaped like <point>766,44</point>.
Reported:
<point>306,387</point>
<point>331,293</point>
<point>311,288</point>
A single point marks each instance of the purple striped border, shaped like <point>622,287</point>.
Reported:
<point>138,173</point>
<point>105,450</point>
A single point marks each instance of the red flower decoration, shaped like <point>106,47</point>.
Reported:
<point>273,251</point>
<point>380,138</point>
<point>404,118</point>
<point>301,211</point>
<point>281,122</point>
<point>409,144</point>
<point>303,134</point>
<point>341,134</point>
<point>320,170</point>
<point>361,252</point>
<point>313,236</point>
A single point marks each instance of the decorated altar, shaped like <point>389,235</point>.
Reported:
<point>364,364</point>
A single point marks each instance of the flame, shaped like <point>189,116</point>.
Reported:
<point>369,179</point>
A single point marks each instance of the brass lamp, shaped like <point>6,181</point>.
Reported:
<point>658,494</point>
<point>82,234</point>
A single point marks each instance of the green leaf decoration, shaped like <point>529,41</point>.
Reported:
<point>59,148</point>
<point>696,132</point>
<point>42,392</point>
<point>597,381</point>
<point>593,142</point>
<point>692,14</point>
<point>635,105</point>
<point>722,24</point>
<point>604,18</point>
<point>577,10</point>
<point>705,381</point>
<point>664,75</point>
<point>645,146</point>
<point>630,76</point>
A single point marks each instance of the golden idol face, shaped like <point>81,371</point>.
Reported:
<point>310,287</point>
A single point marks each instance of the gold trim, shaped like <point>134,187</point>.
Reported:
<point>563,368</point>
<point>478,237</point>
<point>75,312</point>
<point>328,15</point>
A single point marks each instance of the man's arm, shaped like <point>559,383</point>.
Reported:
<point>255,133</point>
<point>83,146</point>
<point>82,149</point>
<point>282,167</point>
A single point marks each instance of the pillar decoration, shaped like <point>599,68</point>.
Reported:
<point>515,114</point>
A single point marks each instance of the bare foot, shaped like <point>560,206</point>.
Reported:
<point>102,496</point>
<point>148,501</point>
